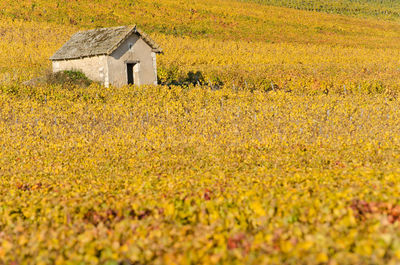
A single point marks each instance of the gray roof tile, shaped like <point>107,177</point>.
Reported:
<point>98,42</point>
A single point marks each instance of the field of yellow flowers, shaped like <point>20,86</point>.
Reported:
<point>294,160</point>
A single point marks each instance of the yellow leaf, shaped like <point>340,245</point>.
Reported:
<point>6,246</point>
<point>22,240</point>
<point>397,253</point>
<point>306,245</point>
<point>322,258</point>
<point>258,239</point>
<point>86,237</point>
<point>169,259</point>
<point>257,208</point>
<point>169,209</point>
<point>286,246</point>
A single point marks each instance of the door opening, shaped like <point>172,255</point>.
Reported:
<point>129,69</point>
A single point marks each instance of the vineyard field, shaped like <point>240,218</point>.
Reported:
<point>386,9</point>
<point>286,152</point>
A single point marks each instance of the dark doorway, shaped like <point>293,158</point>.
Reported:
<point>131,80</point>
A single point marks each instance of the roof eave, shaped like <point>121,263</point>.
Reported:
<point>76,57</point>
<point>132,30</point>
<point>159,51</point>
<point>144,36</point>
<point>149,40</point>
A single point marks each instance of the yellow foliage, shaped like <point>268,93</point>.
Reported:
<point>257,208</point>
<point>294,159</point>
<point>152,173</point>
<point>322,258</point>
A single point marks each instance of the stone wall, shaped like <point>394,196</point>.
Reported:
<point>95,68</point>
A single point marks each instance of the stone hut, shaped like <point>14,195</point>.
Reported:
<point>112,56</point>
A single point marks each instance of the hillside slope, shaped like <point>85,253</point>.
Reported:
<point>232,41</point>
<point>382,9</point>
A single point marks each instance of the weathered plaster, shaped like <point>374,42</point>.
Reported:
<point>95,68</point>
<point>140,52</point>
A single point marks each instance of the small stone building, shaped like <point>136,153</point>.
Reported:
<point>112,56</point>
